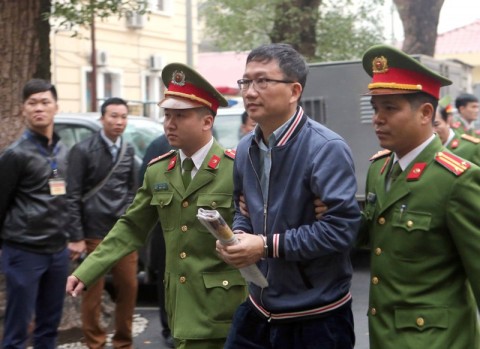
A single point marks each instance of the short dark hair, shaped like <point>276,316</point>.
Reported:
<point>444,114</point>
<point>416,99</point>
<point>290,61</point>
<point>38,85</point>
<point>112,101</point>
<point>463,99</point>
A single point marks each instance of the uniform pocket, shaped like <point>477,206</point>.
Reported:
<point>421,318</point>
<point>213,201</point>
<point>162,201</point>
<point>225,291</point>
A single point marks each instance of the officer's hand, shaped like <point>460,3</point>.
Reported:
<point>74,286</point>
<point>320,208</point>
<point>77,248</point>
<point>247,251</point>
<point>243,206</point>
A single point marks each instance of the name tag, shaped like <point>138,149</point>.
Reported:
<point>57,186</point>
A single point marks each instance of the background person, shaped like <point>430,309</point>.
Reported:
<point>158,146</point>
<point>248,124</point>
<point>467,106</point>
<point>101,185</point>
<point>33,219</point>
<point>422,229</point>
<point>202,292</point>
<point>465,146</point>
<point>291,159</point>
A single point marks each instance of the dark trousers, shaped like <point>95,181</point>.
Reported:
<point>35,284</point>
<point>251,330</point>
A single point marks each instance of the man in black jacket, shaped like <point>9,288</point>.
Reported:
<point>33,223</point>
<point>101,185</point>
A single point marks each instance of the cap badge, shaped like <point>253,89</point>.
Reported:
<point>380,65</point>
<point>178,78</point>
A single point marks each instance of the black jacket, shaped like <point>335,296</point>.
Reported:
<point>90,162</point>
<point>31,218</point>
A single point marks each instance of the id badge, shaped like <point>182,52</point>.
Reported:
<point>57,186</point>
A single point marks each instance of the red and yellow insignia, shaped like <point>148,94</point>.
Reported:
<point>380,154</point>
<point>230,153</point>
<point>214,161</point>
<point>178,78</point>
<point>454,144</point>
<point>470,138</point>
<point>416,171</point>
<point>172,163</point>
<point>380,65</point>
<point>452,162</point>
<point>161,157</point>
<point>456,124</point>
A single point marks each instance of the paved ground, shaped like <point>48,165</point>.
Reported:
<point>147,326</point>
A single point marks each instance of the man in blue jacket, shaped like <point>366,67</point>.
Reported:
<point>281,168</point>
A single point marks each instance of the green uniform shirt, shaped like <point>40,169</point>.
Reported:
<point>424,235</point>
<point>201,291</point>
<point>467,147</point>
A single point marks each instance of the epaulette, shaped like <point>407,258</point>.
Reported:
<point>380,154</point>
<point>161,157</point>
<point>470,138</point>
<point>452,162</point>
<point>230,153</point>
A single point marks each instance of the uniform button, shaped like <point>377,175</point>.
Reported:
<point>185,204</point>
<point>373,311</point>
<point>378,251</point>
<point>183,279</point>
<point>184,228</point>
<point>225,283</point>
<point>420,322</point>
<point>410,224</point>
<point>381,220</point>
<point>183,255</point>
<point>374,280</point>
<point>214,204</point>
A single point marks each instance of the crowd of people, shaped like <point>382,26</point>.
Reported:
<point>288,193</point>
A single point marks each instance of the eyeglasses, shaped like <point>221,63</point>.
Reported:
<point>259,84</point>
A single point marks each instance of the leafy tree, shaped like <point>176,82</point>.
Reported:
<point>420,22</point>
<point>320,30</point>
<point>25,49</point>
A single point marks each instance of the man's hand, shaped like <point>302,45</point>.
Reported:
<point>77,248</point>
<point>247,251</point>
<point>320,208</point>
<point>243,206</point>
<point>74,286</point>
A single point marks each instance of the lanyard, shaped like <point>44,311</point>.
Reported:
<point>51,157</point>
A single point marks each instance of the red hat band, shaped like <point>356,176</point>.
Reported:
<point>404,79</point>
<point>194,93</point>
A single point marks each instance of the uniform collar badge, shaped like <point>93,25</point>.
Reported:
<point>416,171</point>
<point>214,162</point>
<point>172,163</point>
<point>455,143</point>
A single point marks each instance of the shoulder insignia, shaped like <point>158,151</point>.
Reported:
<point>456,124</point>
<point>416,171</point>
<point>452,162</point>
<point>454,144</point>
<point>471,138</point>
<point>214,162</point>
<point>385,163</point>
<point>380,154</point>
<point>161,157</point>
<point>230,153</point>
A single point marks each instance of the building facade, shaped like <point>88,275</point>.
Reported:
<point>130,54</point>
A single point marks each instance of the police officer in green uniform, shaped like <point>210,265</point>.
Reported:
<point>467,106</point>
<point>421,218</point>
<point>465,146</point>
<point>201,291</point>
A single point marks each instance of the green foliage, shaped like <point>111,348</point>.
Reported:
<point>71,13</point>
<point>345,28</point>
